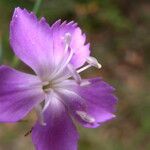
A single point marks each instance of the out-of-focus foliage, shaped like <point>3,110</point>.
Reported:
<point>119,34</point>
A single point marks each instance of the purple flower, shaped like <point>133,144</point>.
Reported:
<point>56,54</point>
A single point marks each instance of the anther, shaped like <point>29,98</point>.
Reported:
<point>85,83</point>
<point>93,62</point>
<point>85,117</point>
<point>67,40</point>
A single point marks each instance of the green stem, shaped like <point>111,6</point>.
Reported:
<point>36,7</point>
<point>15,61</point>
<point>1,52</point>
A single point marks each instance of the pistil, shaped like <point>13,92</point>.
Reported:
<point>47,87</point>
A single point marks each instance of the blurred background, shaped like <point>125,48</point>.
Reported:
<point>119,33</point>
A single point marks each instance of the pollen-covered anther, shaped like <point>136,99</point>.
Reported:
<point>87,118</point>
<point>93,62</point>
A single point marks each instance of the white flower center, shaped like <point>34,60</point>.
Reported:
<point>62,72</point>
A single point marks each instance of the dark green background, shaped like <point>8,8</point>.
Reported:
<point>118,31</point>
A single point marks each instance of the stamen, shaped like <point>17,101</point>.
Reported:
<point>63,63</point>
<point>39,114</point>
<point>85,116</point>
<point>93,62</point>
<point>85,83</point>
<point>74,73</point>
<point>47,100</point>
<point>83,68</point>
<point>67,40</point>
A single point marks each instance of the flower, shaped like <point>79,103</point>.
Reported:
<point>57,55</point>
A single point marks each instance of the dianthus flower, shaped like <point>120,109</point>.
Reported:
<point>57,54</point>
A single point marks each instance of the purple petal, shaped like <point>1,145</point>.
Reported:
<point>32,41</point>
<point>81,49</point>
<point>59,132</point>
<point>19,93</point>
<point>95,98</point>
<point>77,44</point>
<point>41,46</point>
<point>58,32</point>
